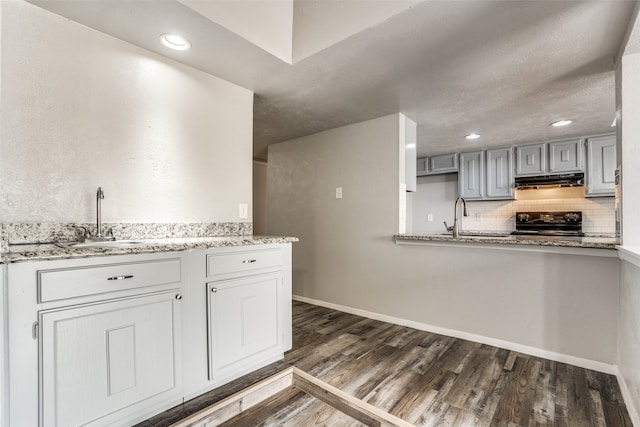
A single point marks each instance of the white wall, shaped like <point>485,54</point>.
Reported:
<point>628,130</point>
<point>318,24</point>
<point>435,195</point>
<point>629,332</point>
<point>266,23</point>
<point>82,109</point>
<point>259,198</point>
<point>346,255</point>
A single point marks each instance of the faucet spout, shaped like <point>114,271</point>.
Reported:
<point>99,198</point>
<point>456,224</point>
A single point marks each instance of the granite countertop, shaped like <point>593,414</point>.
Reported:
<point>593,242</point>
<point>50,251</point>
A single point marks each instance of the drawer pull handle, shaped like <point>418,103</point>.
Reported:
<point>120,277</point>
<point>214,290</point>
<point>248,261</point>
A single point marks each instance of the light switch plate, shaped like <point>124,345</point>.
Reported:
<point>243,211</point>
<point>430,217</point>
<point>338,192</point>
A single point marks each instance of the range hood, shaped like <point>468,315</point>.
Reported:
<point>550,181</point>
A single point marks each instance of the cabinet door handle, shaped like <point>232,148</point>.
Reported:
<point>120,277</point>
<point>178,297</point>
<point>214,290</point>
<point>248,261</point>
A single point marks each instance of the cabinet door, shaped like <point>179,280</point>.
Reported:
<point>102,358</point>
<point>244,322</point>
<point>444,163</point>
<point>565,156</point>
<point>421,166</point>
<point>500,180</point>
<point>601,166</point>
<point>471,175</point>
<point>531,159</point>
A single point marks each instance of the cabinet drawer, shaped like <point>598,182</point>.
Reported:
<point>96,279</point>
<point>237,262</point>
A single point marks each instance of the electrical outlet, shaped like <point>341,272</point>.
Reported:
<point>338,192</point>
<point>243,211</point>
<point>430,217</point>
<point>478,216</point>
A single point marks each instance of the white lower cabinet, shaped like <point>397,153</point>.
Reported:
<point>100,358</point>
<point>248,309</point>
<point>114,340</point>
<point>244,323</point>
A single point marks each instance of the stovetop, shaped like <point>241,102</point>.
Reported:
<point>565,223</point>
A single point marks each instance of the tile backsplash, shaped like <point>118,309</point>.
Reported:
<point>598,214</point>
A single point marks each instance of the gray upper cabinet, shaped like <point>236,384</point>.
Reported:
<point>444,163</point>
<point>550,158</point>
<point>601,166</point>
<point>500,179</point>
<point>531,159</point>
<point>471,175</point>
<point>565,156</point>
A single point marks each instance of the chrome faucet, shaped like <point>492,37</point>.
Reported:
<point>84,234</point>
<point>99,198</point>
<point>98,236</point>
<point>456,225</point>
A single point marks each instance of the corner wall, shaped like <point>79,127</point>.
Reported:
<point>629,334</point>
<point>628,127</point>
<point>81,109</point>
<point>566,304</point>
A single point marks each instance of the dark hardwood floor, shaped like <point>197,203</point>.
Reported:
<point>434,380</point>
<point>420,377</point>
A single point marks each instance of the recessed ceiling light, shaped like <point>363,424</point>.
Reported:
<point>473,136</point>
<point>560,123</point>
<point>175,41</point>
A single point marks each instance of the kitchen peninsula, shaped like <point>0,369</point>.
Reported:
<point>604,246</point>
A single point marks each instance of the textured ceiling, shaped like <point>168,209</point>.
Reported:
<point>504,69</point>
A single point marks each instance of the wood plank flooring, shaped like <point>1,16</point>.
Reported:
<point>423,378</point>
<point>434,380</point>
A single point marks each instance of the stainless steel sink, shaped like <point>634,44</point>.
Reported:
<point>105,245</point>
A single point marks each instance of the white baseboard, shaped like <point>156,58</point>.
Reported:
<point>628,399</point>
<point>533,351</point>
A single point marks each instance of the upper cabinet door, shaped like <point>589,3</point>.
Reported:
<point>444,163</point>
<point>471,175</point>
<point>601,166</point>
<point>500,180</point>
<point>531,159</point>
<point>565,156</point>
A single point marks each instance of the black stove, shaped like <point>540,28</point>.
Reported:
<point>560,224</point>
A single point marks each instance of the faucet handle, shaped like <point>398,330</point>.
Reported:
<point>84,233</point>
<point>449,229</point>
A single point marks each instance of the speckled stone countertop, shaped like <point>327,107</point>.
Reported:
<point>49,251</point>
<point>595,242</point>
<point>36,241</point>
